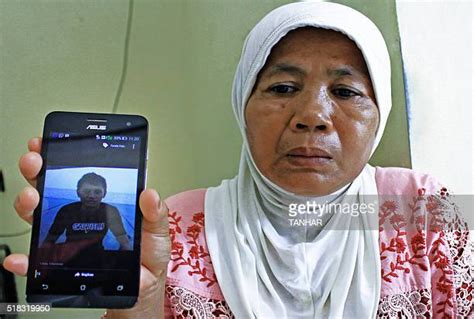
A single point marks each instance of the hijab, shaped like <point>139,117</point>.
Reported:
<point>265,267</point>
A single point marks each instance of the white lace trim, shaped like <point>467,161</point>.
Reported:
<point>460,241</point>
<point>412,304</point>
<point>187,304</point>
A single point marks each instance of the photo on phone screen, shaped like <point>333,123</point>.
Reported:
<point>85,247</point>
<point>87,207</point>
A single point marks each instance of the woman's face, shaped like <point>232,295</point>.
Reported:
<point>312,118</point>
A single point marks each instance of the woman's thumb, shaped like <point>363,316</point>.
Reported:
<point>155,213</point>
<point>155,252</point>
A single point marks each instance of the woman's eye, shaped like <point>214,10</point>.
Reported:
<point>283,89</point>
<point>344,93</point>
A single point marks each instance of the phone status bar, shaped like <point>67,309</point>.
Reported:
<point>116,138</point>
<point>59,135</point>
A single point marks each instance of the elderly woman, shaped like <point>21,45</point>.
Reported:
<point>311,96</point>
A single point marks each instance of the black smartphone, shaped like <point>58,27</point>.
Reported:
<point>85,242</point>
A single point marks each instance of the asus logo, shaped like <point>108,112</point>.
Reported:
<point>96,127</point>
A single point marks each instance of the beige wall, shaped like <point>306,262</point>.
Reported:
<point>67,55</point>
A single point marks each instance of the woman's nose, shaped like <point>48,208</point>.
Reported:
<point>312,113</point>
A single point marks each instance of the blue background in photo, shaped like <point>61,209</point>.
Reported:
<point>55,198</point>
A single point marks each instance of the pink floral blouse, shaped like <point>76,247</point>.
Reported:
<point>425,251</point>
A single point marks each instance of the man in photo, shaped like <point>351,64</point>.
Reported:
<point>86,222</point>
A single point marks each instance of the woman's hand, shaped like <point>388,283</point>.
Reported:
<point>155,251</point>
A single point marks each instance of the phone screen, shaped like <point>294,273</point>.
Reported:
<point>86,234</point>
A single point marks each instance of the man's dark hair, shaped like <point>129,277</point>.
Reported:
<point>94,179</point>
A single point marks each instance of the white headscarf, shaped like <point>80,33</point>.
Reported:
<point>265,267</point>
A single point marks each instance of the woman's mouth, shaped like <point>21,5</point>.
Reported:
<point>309,157</point>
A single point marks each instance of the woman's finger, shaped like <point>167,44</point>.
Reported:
<point>17,264</point>
<point>155,235</point>
<point>30,165</point>
<point>26,202</point>
<point>34,144</point>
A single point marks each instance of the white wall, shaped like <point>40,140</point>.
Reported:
<point>436,40</point>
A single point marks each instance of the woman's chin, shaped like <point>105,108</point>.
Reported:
<point>308,184</point>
